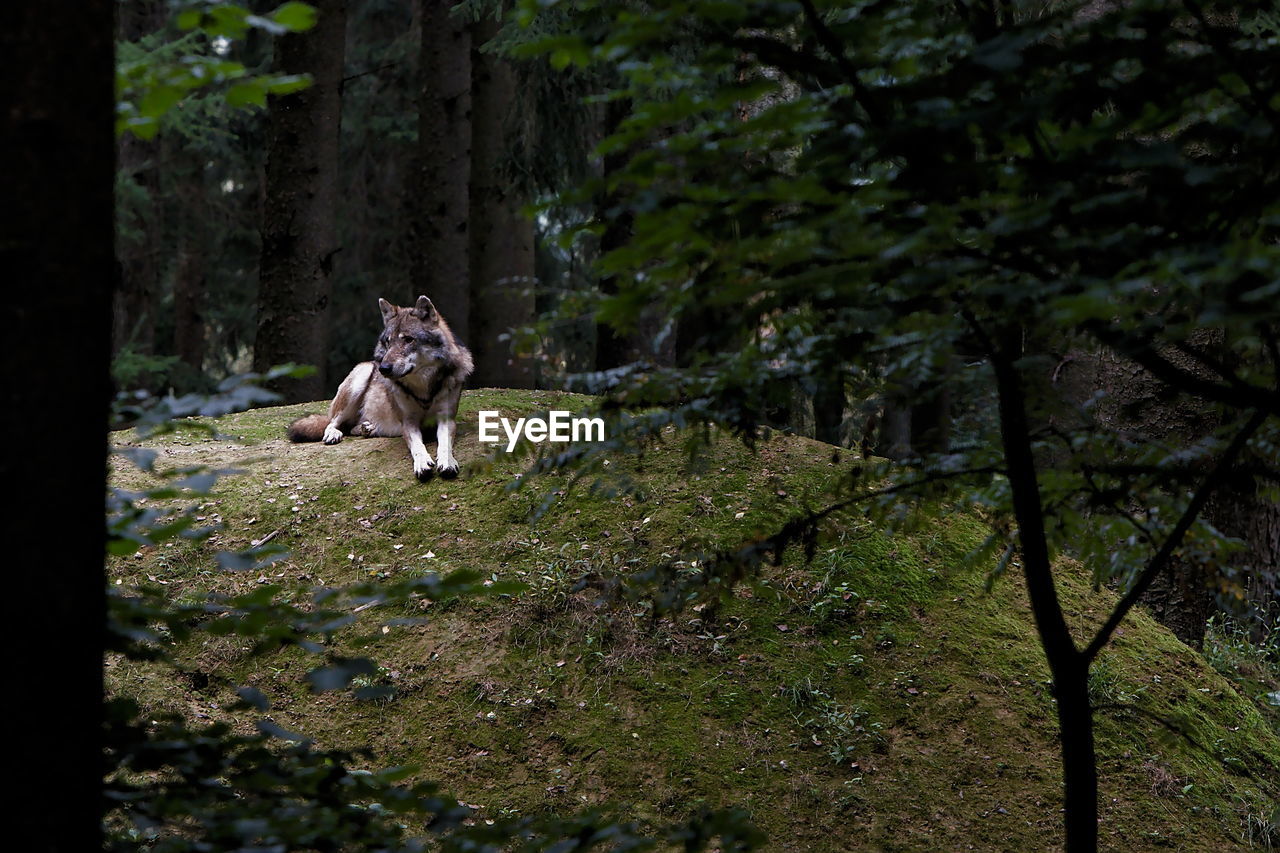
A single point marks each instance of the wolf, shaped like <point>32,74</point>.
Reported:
<point>415,378</point>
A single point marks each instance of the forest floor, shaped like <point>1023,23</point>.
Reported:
<point>873,697</point>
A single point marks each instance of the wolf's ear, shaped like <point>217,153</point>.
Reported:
<point>423,309</point>
<point>388,310</point>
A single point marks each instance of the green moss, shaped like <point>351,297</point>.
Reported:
<point>875,698</point>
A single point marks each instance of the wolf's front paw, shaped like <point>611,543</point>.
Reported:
<point>449,471</point>
<point>424,471</point>
<point>332,435</point>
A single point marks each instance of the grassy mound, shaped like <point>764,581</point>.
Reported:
<point>872,698</point>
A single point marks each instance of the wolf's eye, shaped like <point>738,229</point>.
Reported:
<point>406,338</point>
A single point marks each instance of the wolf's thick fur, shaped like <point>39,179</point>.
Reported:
<point>416,378</point>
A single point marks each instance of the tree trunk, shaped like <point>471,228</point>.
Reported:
<point>1238,511</point>
<point>703,329</point>
<point>1070,668</point>
<point>931,418</point>
<point>501,251</point>
<point>133,308</point>
<point>614,348</point>
<point>440,208</point>
<point>188,302</point>
<point>56,250</point>
<point>138,289</point>
<point>829,405</point>
<point>894,441</point>
<point>916,421</point>
<point>137,18</point>
<point>299,228</point>
<point>1079,759</point>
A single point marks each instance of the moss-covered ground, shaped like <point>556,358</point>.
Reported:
<point>872,698</point>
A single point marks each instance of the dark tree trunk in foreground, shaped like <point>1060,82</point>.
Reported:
<point>299,227</point>
<point>1070,668</point>
<point>441,205</point>
<point>704,327</point>
<point>57,154</point>
<point>1068,663</point>
<point>502,257</point>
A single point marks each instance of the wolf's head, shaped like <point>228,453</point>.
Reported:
<point>412,338</point>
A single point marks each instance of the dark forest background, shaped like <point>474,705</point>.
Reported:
<point>403,169</point>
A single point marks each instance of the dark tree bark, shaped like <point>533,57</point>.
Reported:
<point>931,419</point>
<point>57,170</point>
<point>696,332</point>
<point>137,18</point>
<point>299,228</point>
<point>440,208</point>
<point>1070,668</point>
<point>133,308</point>
<point>895,430</point>
<point>501,247</point>
<point>188,305</point>
<point>1068,663</point>
<point>1137,403</point>
<point>138,288</point>
<point>1238,511</point>
<point>188,216</point>
<point>915,421</point>
<point>828,411</point>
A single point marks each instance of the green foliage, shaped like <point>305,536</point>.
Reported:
<point>162,415</point>
<point>871,193</point>
<point>844,731</point>
<point>131,369</point>
<point>875,192</point>
<point>155,74</point>
<point>1250,659</point>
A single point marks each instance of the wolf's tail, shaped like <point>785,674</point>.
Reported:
<point>308,428</point>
